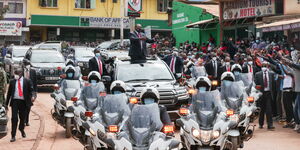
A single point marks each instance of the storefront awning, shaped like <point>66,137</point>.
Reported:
<point>280,25</point>
<point>199,23</point>
<point>210,8</point>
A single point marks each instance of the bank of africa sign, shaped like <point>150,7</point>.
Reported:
<point>248,8</point>
<point>104,22</point>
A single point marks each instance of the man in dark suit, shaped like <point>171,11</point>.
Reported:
<point>174,62</point>
<point>19,97</point>
<point>212,67</point>
<point>226,67</point>
<point>266,80</point>
<point>138,40</point>
<point>29,74</point>
<point>97,63</point>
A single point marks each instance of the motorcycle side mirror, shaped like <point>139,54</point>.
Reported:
<point>85,78</point>
<point>179,122</point>
<point>106,79</point>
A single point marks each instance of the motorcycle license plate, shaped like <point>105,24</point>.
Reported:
<point>69,103</point>
<point>51,78</point>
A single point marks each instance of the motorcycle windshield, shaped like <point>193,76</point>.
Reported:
<point>248,82</point>
<point>90,95</point>
<point>71,88</point>
<point>113,109</point>
<point>233,95</point>
<point>206,109</point>
<point>144,120</point>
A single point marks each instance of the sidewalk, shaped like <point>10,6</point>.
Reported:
<point>21,143</point>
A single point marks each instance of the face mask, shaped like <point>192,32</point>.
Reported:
<point>17,77</point>
<point>264,69</point>
<point>227,83</point>
<point>250,63</point>
<point>227,63</point>
<point>236,73</point>
<point>70,75</point>
<point>257,41</point>
<point>292,48</point>
<point>117,92</point>
<point>94,82</point>
<point>214,58</point>
<point>202,89</point>
<point>149,101</point>
<point>27,66</point>
<point>97,55</point>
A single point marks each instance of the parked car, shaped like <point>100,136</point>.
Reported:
<point>14,58</point>
<point>154,72</point>
<point>114,45</point>
<point>57,45</point>
<point>48,64</point>
<point>82,57</point>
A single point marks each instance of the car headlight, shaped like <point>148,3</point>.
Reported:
<point>80,64</point>
<point>195,133</point>
<point>216,134</point>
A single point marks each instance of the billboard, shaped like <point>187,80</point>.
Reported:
<point>11,28</point>
<point>248,8</point>
<point>104,22</point>
<point>133,8</point>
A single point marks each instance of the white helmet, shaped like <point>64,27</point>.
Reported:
<point>70,62</point>
<point>95,75</point>
<point>236,67</point>
<point>227,76</point>
<point>203,81</point>
<point>69,68</point>
<point>149,92</point>
<point>118,85</point>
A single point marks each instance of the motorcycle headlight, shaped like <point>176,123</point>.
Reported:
<point>216,134</point>
<point>196,133</point>
<point>205,136</point>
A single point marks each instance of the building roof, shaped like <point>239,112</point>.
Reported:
<point>210,8</point>
<point>200,23</point>
<point>279,23</point>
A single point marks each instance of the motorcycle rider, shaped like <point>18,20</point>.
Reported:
<point>117,87</point>
<point>203,84</point>
<point>150,95</point>
<point>236,69</point>
<point>77,68</point>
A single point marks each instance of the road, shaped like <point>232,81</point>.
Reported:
<point>45,134</point>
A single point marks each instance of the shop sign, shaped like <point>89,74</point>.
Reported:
<point>133,8</point>
<point>248,8</point>
<point>180,18</point>
<point>11,28</point>
<point>103,22</point>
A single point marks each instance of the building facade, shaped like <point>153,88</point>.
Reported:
<point>88,20</point>
<point>16,12</point>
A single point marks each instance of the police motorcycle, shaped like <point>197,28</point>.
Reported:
<point>251,91</point>
<point>88,102</point>
<point>200,124</point>
<point>64,94</point>
<point>144,126</point>
<point>110,119</point>
<point>3,121</point>
<point>234,98</point>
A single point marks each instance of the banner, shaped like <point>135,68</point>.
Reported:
<point>11,28</point>
<point>103,22</point>
<point>133,8</point>
<point>248,8</point>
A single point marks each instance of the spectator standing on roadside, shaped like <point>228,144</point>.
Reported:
<point>3,83</point>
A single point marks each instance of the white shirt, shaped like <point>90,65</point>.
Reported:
<point>215,64</point>
<point>27,73</point>
<point>267,74</point>
<point>173,64</point>
<point>141,42</point>
<point>16,95</point>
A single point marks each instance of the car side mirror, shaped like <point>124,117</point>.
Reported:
<point>178,75</point>
<point>106,78</point>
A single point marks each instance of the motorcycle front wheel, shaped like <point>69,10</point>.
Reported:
<point>68,127</point>
<point>234,141</point>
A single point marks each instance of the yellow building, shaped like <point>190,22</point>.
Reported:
<point>88,20</point>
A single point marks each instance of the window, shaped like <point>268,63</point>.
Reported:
<point>48,3</point>
<point>15,8</point>
<point>85,4</point>
<point>162,5</point>
<point>115,1</point>
<point>298,1</point>
<point>1,5</point>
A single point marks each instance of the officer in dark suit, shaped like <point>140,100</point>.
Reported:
<point>213,67</point>
<point>138,49</point>
<point>29,74</point>
<point>174,62</point>
<point>250,67</point>
<point>266,80</point>
<point>97,63</point>
<point>226,67</point>
<point>20,95</point>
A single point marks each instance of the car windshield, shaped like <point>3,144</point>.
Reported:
<point>49,46</point>
<point>143,72</point>
<point>84,53</point>
<point>19,52</point>
<point>105,44</point>
<point>47,57</point>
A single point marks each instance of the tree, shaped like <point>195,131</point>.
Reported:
<point>3,11</point>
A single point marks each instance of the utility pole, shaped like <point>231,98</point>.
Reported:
<point>122,9</point>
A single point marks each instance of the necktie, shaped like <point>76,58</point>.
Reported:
<point>250,68</point>
<point>20,88</point>
<point>265,80</point>
<point>228,68</point>
<point>172,64</point>
<point>100,66</point>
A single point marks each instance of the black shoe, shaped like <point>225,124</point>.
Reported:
<point>261,127</point>
<point>23,134</point>
<point>27,124</point>
<point>271,128</point>
<point>13,139</point>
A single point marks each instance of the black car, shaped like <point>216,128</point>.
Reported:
<point>154,72</point>
<point>82,57</point>
<point>48,64</point>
